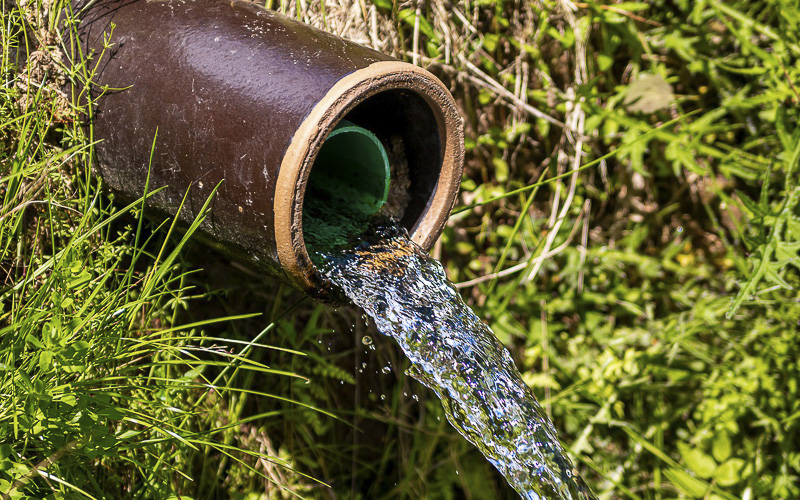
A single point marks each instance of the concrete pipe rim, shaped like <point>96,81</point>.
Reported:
<point>301,153</point>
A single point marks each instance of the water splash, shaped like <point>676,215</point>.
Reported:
<point>455,354</point>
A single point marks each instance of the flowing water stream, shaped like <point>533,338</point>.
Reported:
<point>454,353</point>
<point>376,266</point>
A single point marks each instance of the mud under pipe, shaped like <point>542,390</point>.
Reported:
<point>261,104</point>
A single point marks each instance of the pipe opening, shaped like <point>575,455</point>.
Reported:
<point>384,156</point>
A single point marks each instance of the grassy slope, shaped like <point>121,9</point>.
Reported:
<point>660,325</point>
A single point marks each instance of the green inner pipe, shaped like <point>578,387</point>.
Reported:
<point>353,158</point>
<point>348,183</point>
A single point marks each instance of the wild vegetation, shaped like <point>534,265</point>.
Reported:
<point>628,226</point>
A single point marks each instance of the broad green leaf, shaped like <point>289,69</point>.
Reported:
<point>604,62</point>
<point>729,473</point>
<point>45,360</point>
<point>648,94</point>
<point>500,169</point>
<point>700,463</point>
<point>383,4</point>
<point>721,446</point>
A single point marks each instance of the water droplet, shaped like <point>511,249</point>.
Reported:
<point>386,370</point>
<point>383,397</point>
<point>367,340</point>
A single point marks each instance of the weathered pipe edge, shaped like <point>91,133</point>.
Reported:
<point>305,144</point>
<point>246,96</point>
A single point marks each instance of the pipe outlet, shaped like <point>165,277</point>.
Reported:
<point>272,111</point>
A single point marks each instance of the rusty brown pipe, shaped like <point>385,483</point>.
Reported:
<point>246,96</point>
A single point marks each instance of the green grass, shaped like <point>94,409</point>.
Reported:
<point>628,225</point>
<point>105,393</point>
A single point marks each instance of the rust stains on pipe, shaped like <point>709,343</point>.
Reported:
<point>246,97</point>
